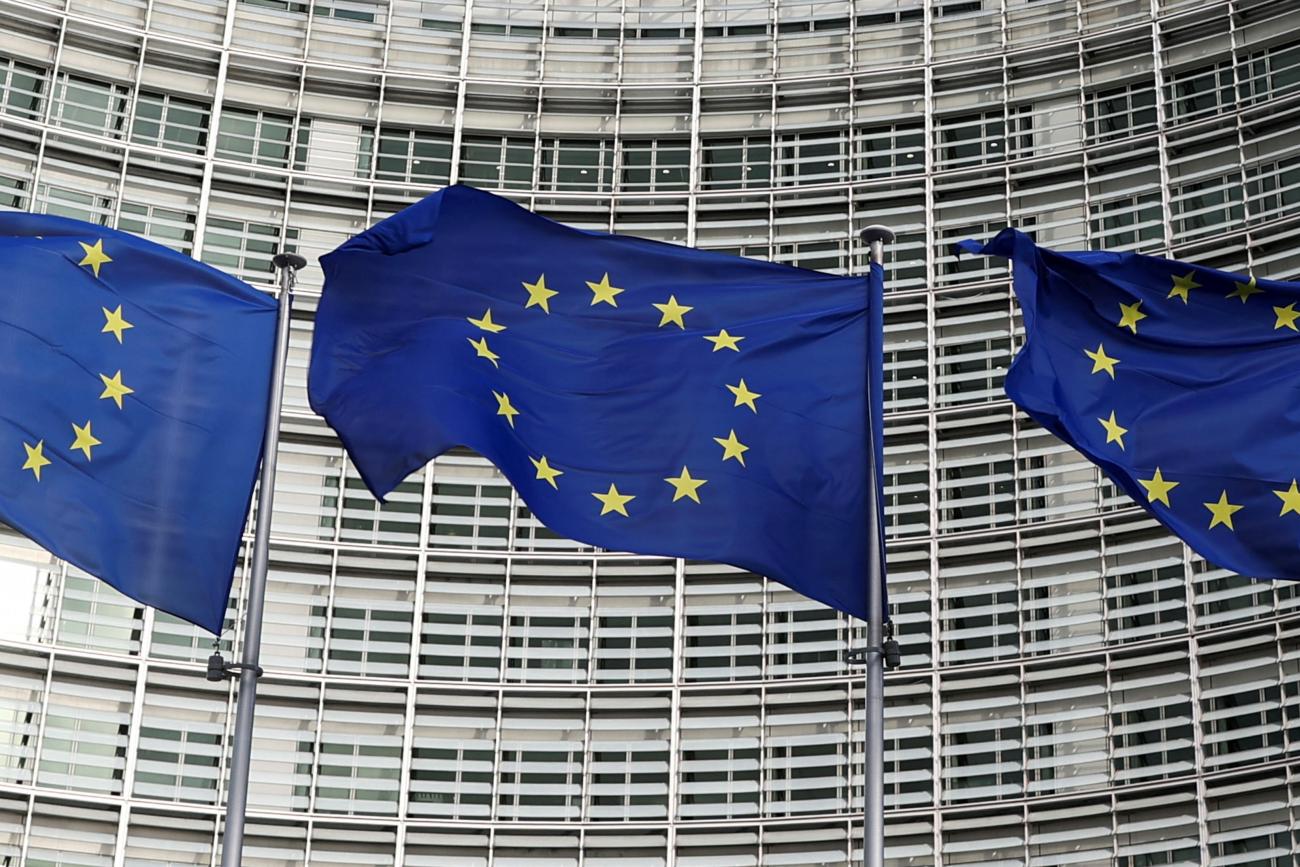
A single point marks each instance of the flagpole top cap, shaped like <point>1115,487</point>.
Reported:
<point>874,233</point>
<point>289,260</point>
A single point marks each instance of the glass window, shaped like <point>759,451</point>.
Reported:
<point>97,107</point>
<point>258,137</point>
<point>411,155</point>
<point>21,88</point>
<point>167,226</point>
<point>542,747</point>
<point>972,139</point>
<point>452,755</point>
<point>462,616</point>
<point>655,165</point>
<point>736,163</point>
<point>585,165</point>
<point>167,121</point>
<point>1120,112</point>
<point>1199,92</point>
<point>503,162</point>
<point>86,726</point>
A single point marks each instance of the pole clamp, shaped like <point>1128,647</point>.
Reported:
<point>890,649</point>
<point>219,669</point>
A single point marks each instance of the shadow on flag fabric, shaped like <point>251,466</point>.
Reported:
<point>640,396</point>
<point>1176,380</point>
<point>134,385</point>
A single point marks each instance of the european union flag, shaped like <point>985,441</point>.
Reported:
<point>640,396</point>
<point>1176,380</point>
<point>135,384</point>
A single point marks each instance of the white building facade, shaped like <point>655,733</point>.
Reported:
<point>450,684</point>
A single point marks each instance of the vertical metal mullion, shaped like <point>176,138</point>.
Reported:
<point>132,755</point>
<point>696,152</point>
<point>330,590</point>
<point>38,165</point>
<point>1083,140</point>
<point>462,83</point>
<point>675,708</point>
<point>932,439</point>
<point>493,812</point>
<point>36,754</point>
<point>128,121</point>
<point>1161,140</point>
<point>214,126</point>
<point>772,138</point>
<point>1194,691</point>
<point>404,773</point>
<point>317,740</point>
<point>583,784</point>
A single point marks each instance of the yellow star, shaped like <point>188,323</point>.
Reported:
<point>481,348</point>
<point>1183,284</point>
<point>115,388</point>
<point>604,292</point>
<point>1286,317</point>
<point>36,458</point>
<point>732,447</point>
<point>723,340</point>
<point>546,472</point>
<point>685,486</point>
<point>539,295</point>
<point>613,501</point>
<point>1114,433</point>
<point>1244,290</point>
<point>1290,500</point>
<point>95,255</point>
<point>1101,361</point>
<point>1222,511</point>
<point>504,408</point>
<point>1158,488</point>
<point>486,323</point>
<point>1130,316</point>
<point>85,439</point>
<point>672,312</point>
<point>114,323</point>
<point>743,395</point>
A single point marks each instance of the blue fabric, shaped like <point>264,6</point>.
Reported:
<point>610,394</point>
<point>156,509</point>
<point>1203,388</point>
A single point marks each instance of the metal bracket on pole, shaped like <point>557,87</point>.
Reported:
<point>232,842</point>
<point>219,669</point>
<point>892,652</point>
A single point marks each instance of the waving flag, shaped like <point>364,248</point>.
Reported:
<point>1176,380</point>
<point>134,384</point>
<point>640,396</point>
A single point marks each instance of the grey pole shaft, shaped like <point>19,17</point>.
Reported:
<point>873,788</point>
<point>232,846</point>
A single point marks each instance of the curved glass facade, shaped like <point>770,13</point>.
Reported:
<point>450,684</point>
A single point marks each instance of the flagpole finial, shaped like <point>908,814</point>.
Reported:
<point>289,260</point>
<point>875,237</point>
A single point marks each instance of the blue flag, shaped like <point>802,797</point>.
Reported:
<point>640,396</point>
<point>134,385</point>
<point>1174,379</point>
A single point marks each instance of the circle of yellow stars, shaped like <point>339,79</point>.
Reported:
<point>672,312</point>
<point>116,324</point>
<point>1158,487</point>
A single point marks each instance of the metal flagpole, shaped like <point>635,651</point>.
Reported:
<point>237,792</point>
<point>878,649</point>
